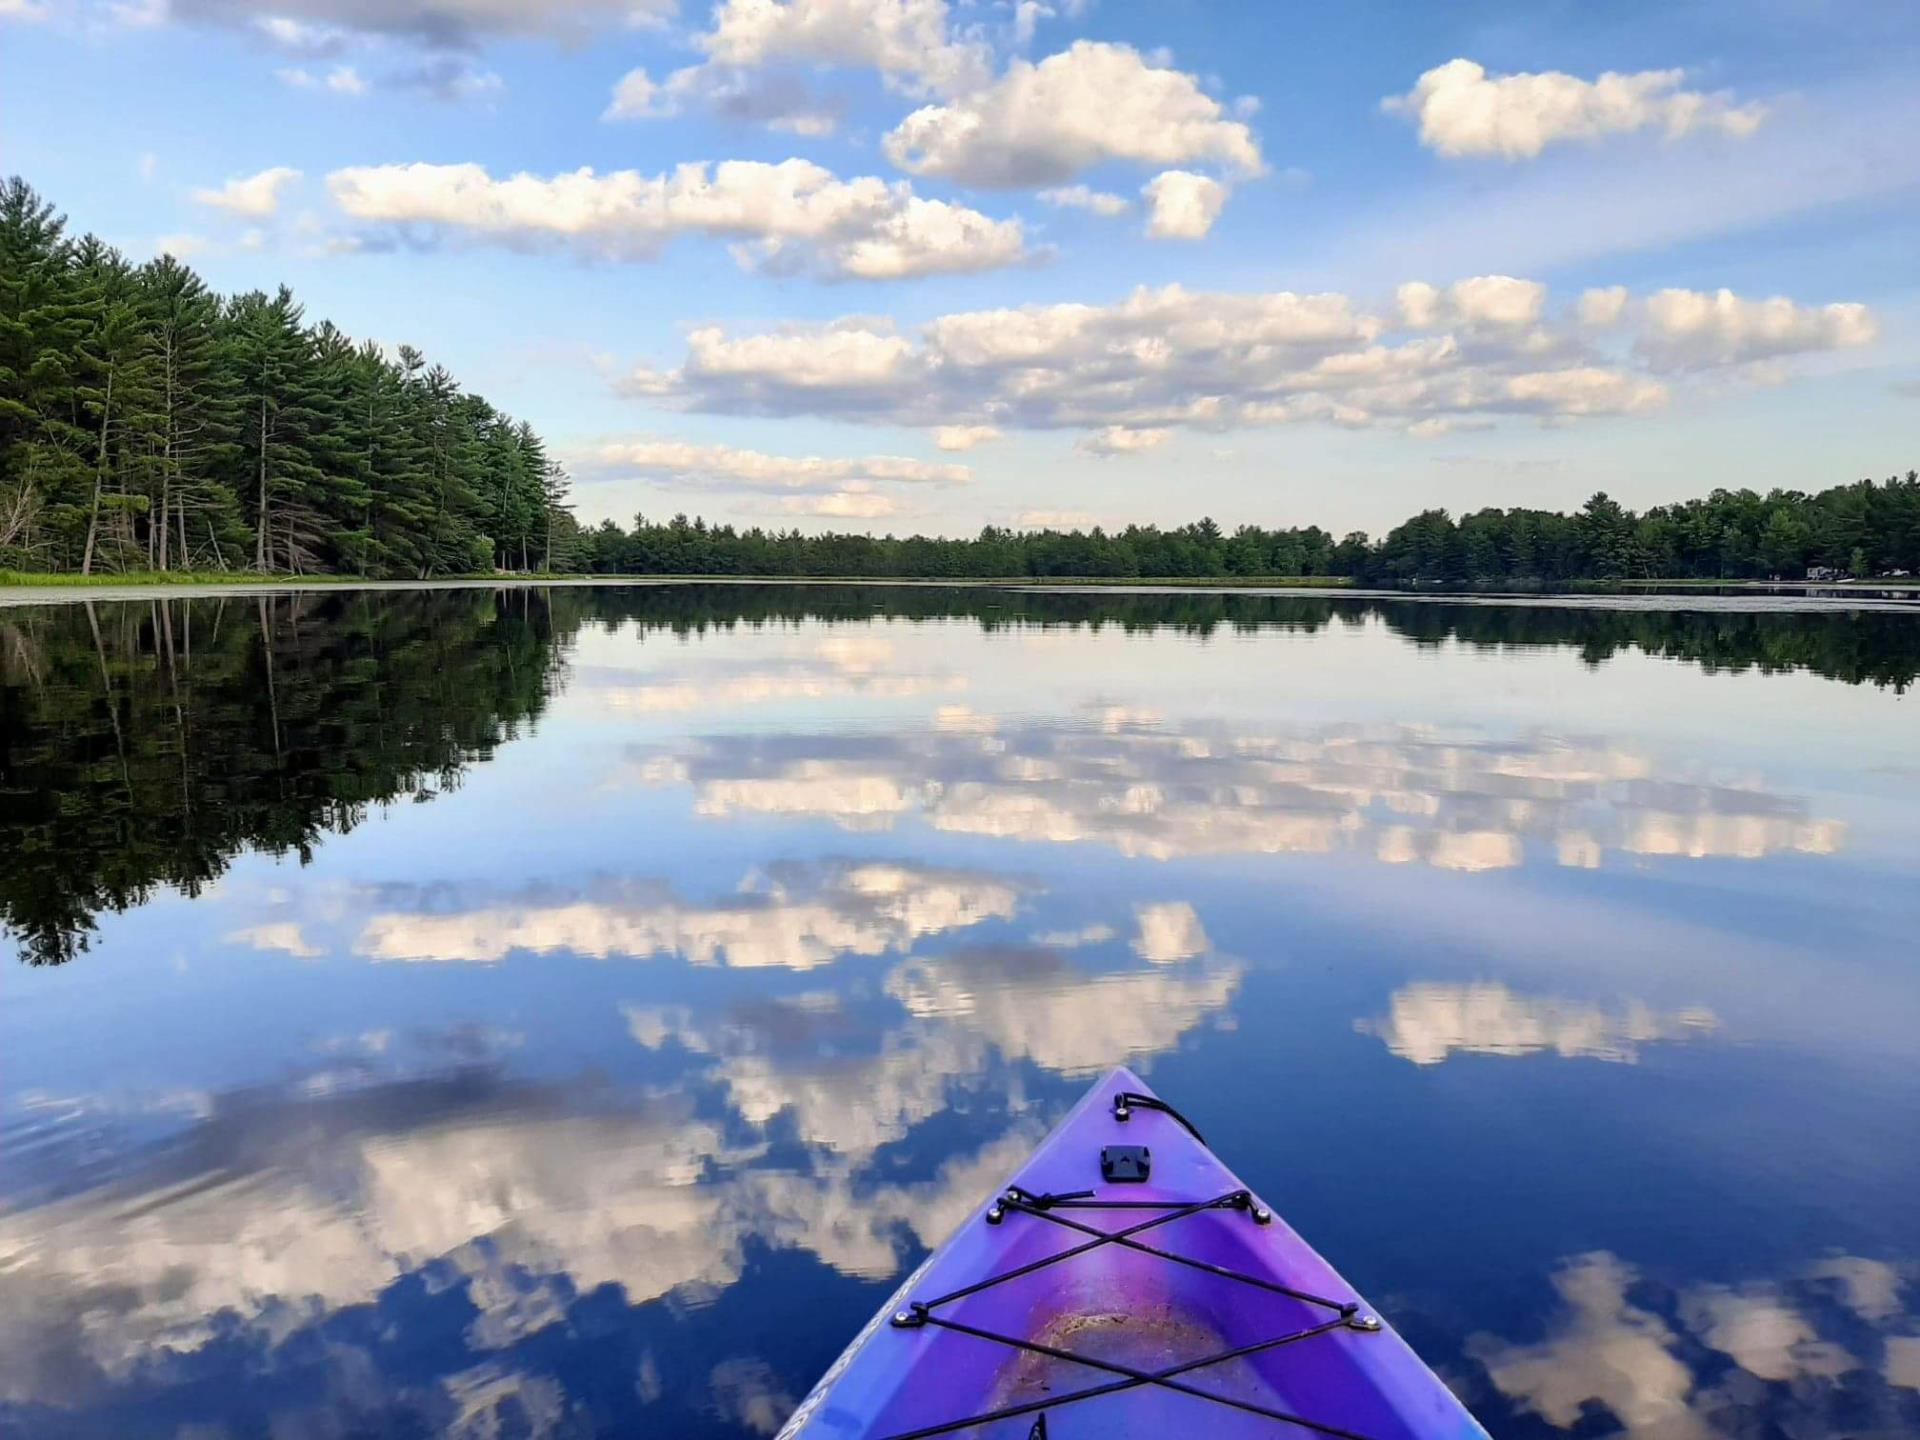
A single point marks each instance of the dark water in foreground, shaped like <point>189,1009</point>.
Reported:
<point>559,1015</point>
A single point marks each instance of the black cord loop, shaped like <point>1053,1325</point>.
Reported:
<point>1132,1100</point>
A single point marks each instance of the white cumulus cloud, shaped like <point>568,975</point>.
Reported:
<point>1462,110</point>
<point>255,196</point>
<point>634,96</point>
<point>759,56</point>
<point>1690,328</point>
<point>1042,124</point>
<point>852,503</point>
<point>1182,205</point>
<point>1085,197</point>
<point>841,359</point>
<point>729,466</point>
<point>1603,306</point>
<point>1124,440</point>
<point>1129,374</point>
<point>790,215</point>
<point>1584,390</point>
<point>964,437</point>
<point>910,42</point>
<point>1484,301</point>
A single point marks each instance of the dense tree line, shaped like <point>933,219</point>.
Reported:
<point>1863,530</point>
<point>147,423</point>
<point>692,547</point>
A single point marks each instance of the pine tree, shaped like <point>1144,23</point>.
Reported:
<point>552,504</point>
<point>281,409</point>
<point>192,508</point>
<point>114,395</point>
<point>451,543</point>
<point>340,446</point>
<point>392,458</point>
<point>42,472</point>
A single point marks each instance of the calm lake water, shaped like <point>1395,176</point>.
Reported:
<point>564,1014</point>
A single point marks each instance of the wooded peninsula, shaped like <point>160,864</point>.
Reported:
<point>151,426</point>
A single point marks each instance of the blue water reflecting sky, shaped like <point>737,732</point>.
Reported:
<point>1570,1010</point>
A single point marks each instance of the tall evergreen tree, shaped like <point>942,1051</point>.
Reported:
<point>42,324</point>
<point>193,506</point>
<point>114,395</point>
<point>282,411</point>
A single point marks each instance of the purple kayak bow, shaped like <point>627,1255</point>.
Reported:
<point>1126,1284</point>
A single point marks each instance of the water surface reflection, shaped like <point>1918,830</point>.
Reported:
<point>1459,801</point>
<point>557,1015</point>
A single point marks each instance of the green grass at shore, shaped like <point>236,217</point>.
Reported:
<point>66,579</point>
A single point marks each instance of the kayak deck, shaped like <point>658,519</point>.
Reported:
<point>1075,1304</point>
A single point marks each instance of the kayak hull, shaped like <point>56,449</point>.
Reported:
<point>1114,1315</point>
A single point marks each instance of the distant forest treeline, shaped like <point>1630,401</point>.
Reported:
<point>1864,529</point>
<point>149,424</point>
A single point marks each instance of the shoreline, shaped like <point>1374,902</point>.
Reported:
<point>1742,596</point>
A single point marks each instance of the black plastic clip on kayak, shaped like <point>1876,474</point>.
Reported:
<point>1127,1101</point>
<point>1048,1200</point>
<point>997,1211</point>
<point>1243,1200</point>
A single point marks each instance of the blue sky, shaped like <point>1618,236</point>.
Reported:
<point>954,263</point>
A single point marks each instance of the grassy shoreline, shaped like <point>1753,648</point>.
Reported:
<point>67,579</point>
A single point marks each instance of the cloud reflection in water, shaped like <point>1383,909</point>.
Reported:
<point>284,1209</point>
<point>387,1162</point>
<point>1458,801</point>
<point>794,917</point>
<point>1799,1356</point>
<point>1427,1022</point>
